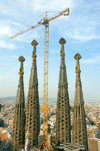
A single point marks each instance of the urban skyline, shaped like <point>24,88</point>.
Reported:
<point>80,30</point>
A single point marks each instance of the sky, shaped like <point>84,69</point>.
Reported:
<point>80,29</point>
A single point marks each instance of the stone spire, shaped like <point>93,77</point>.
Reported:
<point>18,135</point>
<point>32,108</point>
<point>79,134</point>
<point>63,126</point>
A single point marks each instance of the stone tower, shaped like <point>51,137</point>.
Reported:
<point>63,126</point>
<point>79,132</point>
<point>32,108</point>
<point>18,135</point>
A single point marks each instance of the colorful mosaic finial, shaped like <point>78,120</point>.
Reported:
<point>34,44</point>
<point>62,41</point>
<point>77,57</point>
<point>21,59</point>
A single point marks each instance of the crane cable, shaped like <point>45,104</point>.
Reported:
<point>39,17</point>
<point>32,22</point>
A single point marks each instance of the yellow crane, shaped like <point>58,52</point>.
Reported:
<point>45,21</point>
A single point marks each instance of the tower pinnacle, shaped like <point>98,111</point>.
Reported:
<point>34,44</point>
<point>63,128</point>
<point>32,108</point>
<point>77,57</point>
<point>21,59</point>
<point>62,41</point>
<point>79,122</point>
<point>18,136</point>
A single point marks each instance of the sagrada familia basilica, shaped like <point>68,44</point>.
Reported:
<point>26,124</point>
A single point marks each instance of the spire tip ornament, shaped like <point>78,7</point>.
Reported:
<point>21,59</point>
<point>34,44</point>
<point>62,41</point>
<point>77,56</point>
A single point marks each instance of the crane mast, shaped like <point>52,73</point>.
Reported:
<point>45,108</point>
<point>45,84</point>
<point>45,87</point>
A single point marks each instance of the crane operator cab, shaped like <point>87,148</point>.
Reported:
<point>66,13</point>
<point>42,21</point>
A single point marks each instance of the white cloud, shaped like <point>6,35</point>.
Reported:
<point>56,51</point>
<point>26,37</point>
<point>4,44</point>
<point>44,5</point>
<point>82,24</point>
<point>83,34</point>
<point>6,30</point>
<point>96,59</point>
<point>9,28</point>
<point>16,69</point>
<point>25,65</point>
<point>4,77</point>
<point>89,61</point>
<point>52,59</point>
<point>16,57</point>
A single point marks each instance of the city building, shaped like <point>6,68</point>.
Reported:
<point>79,132</point>
<point>69,147</point>
<point>94,144</point>
<point>63,125</point>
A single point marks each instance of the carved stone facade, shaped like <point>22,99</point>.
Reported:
<point>63,126</point>
<point>32,108</point>
<point>79,132</point>
<point>18,135</point>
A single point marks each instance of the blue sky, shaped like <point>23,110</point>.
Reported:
<point>81,30</point>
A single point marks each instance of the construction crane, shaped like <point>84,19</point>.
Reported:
<point>45,21</point>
